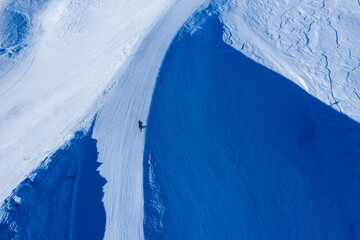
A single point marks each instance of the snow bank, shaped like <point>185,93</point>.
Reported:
<point>313,43</point>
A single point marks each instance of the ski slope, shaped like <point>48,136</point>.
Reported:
<point>62,75</point>
<point>64,61</point>
<point>120,143</point>
<point>313,43</point>
<point>74,52</point>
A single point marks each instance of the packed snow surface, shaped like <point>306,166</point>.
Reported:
<point>120,143</point>
<point>313,43</point>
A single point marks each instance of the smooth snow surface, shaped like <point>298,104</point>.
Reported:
<point>313,43</point>
<point>236,151</point>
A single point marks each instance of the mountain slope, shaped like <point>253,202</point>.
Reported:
<point>313,43</point>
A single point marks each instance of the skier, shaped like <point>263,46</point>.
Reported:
<point>140,125</point>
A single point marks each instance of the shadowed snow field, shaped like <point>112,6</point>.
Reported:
<point>236,151</point>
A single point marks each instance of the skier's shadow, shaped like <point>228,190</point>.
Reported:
<point>142,127</point>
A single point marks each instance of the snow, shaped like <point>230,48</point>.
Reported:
<point>61,199</point>
<point>120,143</point>
<point>79,47</point>
<point>76,53</point>
<point>71,59</point>
<point>313,43</point>
<point>240,152</point>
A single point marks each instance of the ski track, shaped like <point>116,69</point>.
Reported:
<point>120,143</point>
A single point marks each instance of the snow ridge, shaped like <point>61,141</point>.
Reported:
<point>120,143</point>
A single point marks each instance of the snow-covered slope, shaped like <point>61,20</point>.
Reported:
<point>66,68</point>
<point>313,43</point>
<point>236,151</point>
<point>77,52</point>
<point>69,59</point>
<point>120,143</point>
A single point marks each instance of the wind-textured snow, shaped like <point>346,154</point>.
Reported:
<point>313,43</point>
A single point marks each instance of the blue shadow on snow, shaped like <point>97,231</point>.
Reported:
<point>62,199</point>
<point>236,151</point>
<point>17,19</point>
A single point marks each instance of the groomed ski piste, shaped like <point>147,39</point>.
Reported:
<point>275,158</point>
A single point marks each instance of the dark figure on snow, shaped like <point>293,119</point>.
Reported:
<point>140,125</point>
